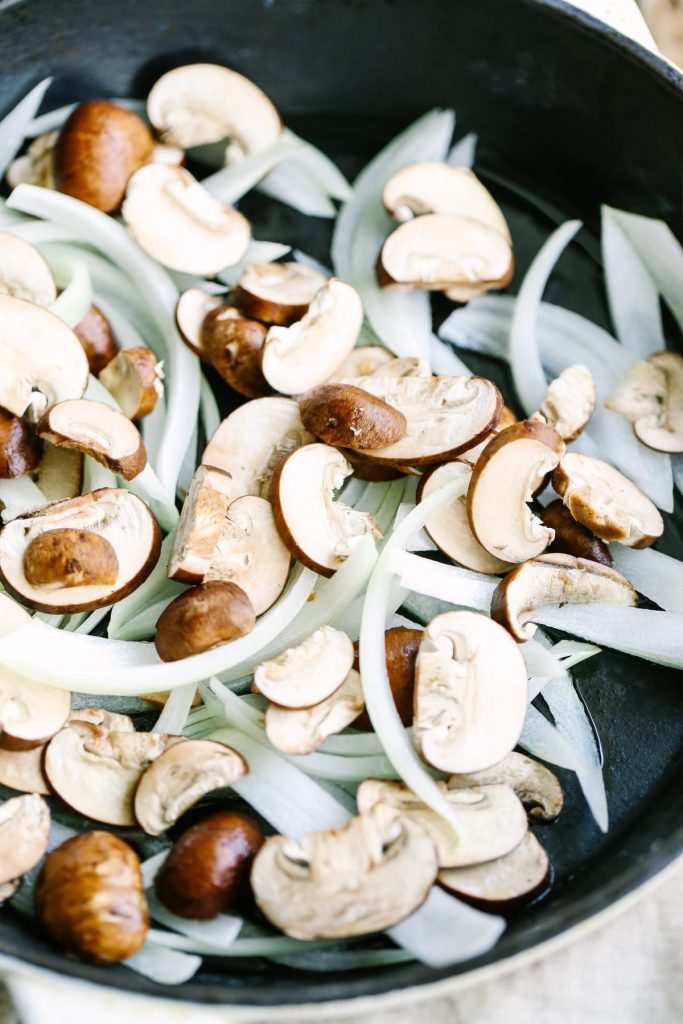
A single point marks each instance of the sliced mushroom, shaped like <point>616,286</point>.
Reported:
<point>234,347</point>
<point>251,553</point>
<point>555,579</point>
<point>375,472</point>
<point>651,398</point>
<point>201,522</point>
<point>535,785</point>
<point>569,402</point>
<point>191,310</point>
<point>20,449</point>
<point>111,720</point>
<point>465,292</point>
<point>298,358</point>
<point>70,558</point>
<point>309,673</point>
<point>252,441</point>
<point>471,693</point>
<point>41,359</point>
<point>97,338</point>
<point>23,770</point>
<point>174,156</point>
<point>571,538</point>
<point>319,531</point>
<point>35,167</point>
<point>433,187</point>
<point>606,502</point>
<point>445,415</point>
<point>30,712</point>
<point>201,103</point>
<point>502,884</point>
<point>400,648</point>
<point>450,529</point>
<point>180,777</point>
<point>507,418</point>
<point>202,618</point>
<point>24,271</point>
<point>493,819</point>
<point>96,771</point>
<point>180,224</point>
<point>98,430</point>
<point>117,516</point>
<point>361,361</point>
<point>442,250</point>
<point>60,473</point>
<point>641,392</point>
<point>134,378</point>
<point>277,293</point>
<point>514,464</point>
<point>346,416</point>
<point>406,366</point>
<point>24,835</point>
<point>362,878</point>
<point>301,731</point>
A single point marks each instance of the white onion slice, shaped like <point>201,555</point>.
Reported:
<point>230,183</point>
<point>15,126</point>
<point>293,185</point>
<point>541,739</point>
<point>155,586</point>
<point>652,573</point>
<point>175,711</point>
<point>464,152</point>
<point>74,301</point>
<point>220,932</point>
<point>451,583</point>
<point>652,635</point>
<point>162,965</point>
<point>208,409</point>
<point>249,946</point>
<point>19,495</point>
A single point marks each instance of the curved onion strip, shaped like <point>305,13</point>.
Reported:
<point>449,583</point>
<point>175,711</point>
<point>156,585</point>
<point>144,625</point>
<point>19,495</point>
<point>220,932</point>
<point>162,965</point>
<point>74,301</point>
<point>266,945</point>
<point>652,573</point>
<point>320,167</point>
<point>230,183</point>
<point>540,738</point>
<point>292,184</point>
<point>463,153</point>
<point>15,126</point>
<point>209,414</point>
<point>652,635</point>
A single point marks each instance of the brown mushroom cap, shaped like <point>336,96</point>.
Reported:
<point>504,883</point>
<point>191,310</point>
<point>98,430</point>
<point>180,777</point>
<point>20,449</point>
<point>201,522</point>
<point>30,712</point>
<point>555,579</point>
<point>202,618</point>
<point>606,502</point>
<point>569,402</point>
<point>97,338</point>
<point>309,673</point>
<point>400,647</point>
<point>277,293</point>
<point>70,558</point>
<point>98,148</point>
<point>535,785</point>
<point>24,271</point>
<point>134,378</point>
<point>234,347</point>
<point>571,538</point>
<point>60,472</point>
<point>24,835</point>
<point>346,416</point>
<point>514,464</point>
<point>302,730</point>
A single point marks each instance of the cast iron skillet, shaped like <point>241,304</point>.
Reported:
<point>569,113</point>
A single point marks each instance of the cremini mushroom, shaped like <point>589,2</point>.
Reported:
<point>202,618</point>
<point>298,358</point>
<point>30,712</point>
<point>571,538</point>
<point>20,449</point>
<point>115,515</point>
<point>98,430</point>
<point>469,710</point>
<point>310,672</point>
<point>23,770</point>
<point>180,224</point>
<point>134,378</point>
<point>569,402</point>
<point>606,502</point>
<point>302,730</point>
<point>60,472</point>
<point>507,418</point>
<point>196,104</point>
<point>493,819</point>
<point>346,416</point>
<point>96,335</point>
<point>252,441</point>
<point>191,310</point>
<point>651,397</point>
<point>201,522</point>
<point>250,552</point>
<point>450,529</point>
<point>24,835</point>
<point>41,359</point>
<point>445,415</point>
<point>502,884</point>
<point>24,271</point>
<point>277,293</point>
<point>361,878</point>
<point>96,770</point>
<point>35,167</point>
<point>444,251</point>
<point>234,347</point>
<point>401,645</point>
<point>514,464</point>
<point>180,777</point>
<point>319,531</point>
<point>70,558</point>
<point>535,785</point>
<point>555,579</point>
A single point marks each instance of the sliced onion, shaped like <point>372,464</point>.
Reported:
<point>162,965</point>
<point>208,409</point>
<point>449,583</point>
<point>19,495</point>
<point>652,635</point>
<point>232,182</point>
<point>175,711</point>
<point>320,167</point>
<point>252,946</point>
<point>88,622</point>
<point>220,932</point>
<point>75,300</point>
<point>652,573</point>
<point>352,744</point>
<point>15,126</point>
<point>293,185</point>
<point>463,153</point>
<point>540,738</point>
<point>155,586</point>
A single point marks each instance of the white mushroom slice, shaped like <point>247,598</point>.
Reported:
<point>116,515</point>
<point>606,502</point>
<point>502,884</point>
<point>361,361</point>
<point>446,415</point>
<point>191,312</point>
<point>173,156</point>
<point>301,731</point>
<point>651,397</point>
<point>250,552</point>
<point>201,103</point>
<point>41,359</point>
<point>252,441</point>
<point>555,579</point>
<point>362,878</point>
<point>433,187</point>
<point>569,402</point>
<point>277,293</point>
<point>180,224</point>
<point>493,819</point>
<point>98,430</point>
<point>96,771</point>
<point>135,379</point>
<point>441,250</point>
<point>514,465</point>
<point>406,366</point>
<point>30,712</point>
<point>641,392</point>
<point>24,271</point>
<point>471,692</point>
<point>465,292</point>
<point>111,720</point>
<point>298,358</point>
<point>24,835</point>
<point>60,473</point>
<point>310,672</point>
<point>201,522</point>
<point>319,531</point>
<point>36,166</point>
<point>535,785</point>
<point>23,770</point>
<point>450,529</point>
<point>180,777</point>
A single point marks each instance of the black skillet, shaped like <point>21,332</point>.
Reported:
<point>569,114</point>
